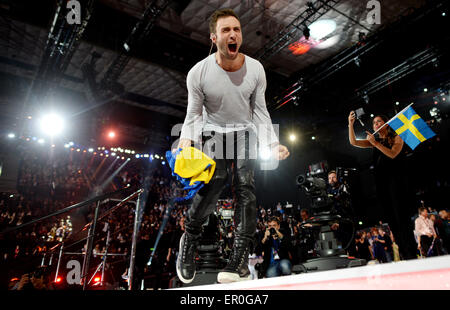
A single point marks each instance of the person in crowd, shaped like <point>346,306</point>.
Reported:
<point>276,246</point>
<point>445,231</point>
<point>424,229</point>
<point>363,246</point>
<point>388,250</point>
<point>378,245</point>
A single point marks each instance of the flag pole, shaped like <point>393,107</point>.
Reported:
<point>393,118</point>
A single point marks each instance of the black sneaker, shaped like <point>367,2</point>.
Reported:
<point>186,257</point>
<point>237,268</point>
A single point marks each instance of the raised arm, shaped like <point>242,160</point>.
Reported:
<point>261,119</point>
<point>389,152</point>
<point>351,133</point>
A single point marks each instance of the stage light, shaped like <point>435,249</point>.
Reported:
<point>118,157</point>
<point>360,223</point>
<point>425,90</point>
<point>95,153</point>
<point>113,154</point>
<point>313,138</point>
<point>146,155</point>
<point>78,150</point>
<point>84,151</point>
<point>91,150</point>
<point>11,135</point>
<point>28,139</point>
<point>101,154</point>
<point>265,154</point>
<point>292,137</point>
<point>371,115</point>
<point>53,145</point>
<point>29,117</point>
<point>41,141</point>
<point>397,103</point>
<point>137,156</point>
<point>111,134</point>
<point>156,156</point>
<point>163,163</point>
<point>321,28</point>
<point>52,124</point>
<point>444,14</point>
<point>66,145</point>
<point>123,157</point>
<point>58,280</point>
<point>106,155</point>
<point>106,152</point>
<point>71,143</point>
<point>97,279</point>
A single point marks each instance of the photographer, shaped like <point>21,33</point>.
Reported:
<point>276,246</point>
<point>32,281</point>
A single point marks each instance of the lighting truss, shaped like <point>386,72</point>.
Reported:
<point>353,53</point>
<point>409,66</point>
<point>292,31</point>
<point>139,32</point>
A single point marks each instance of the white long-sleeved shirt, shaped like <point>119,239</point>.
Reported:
<point>424,226</point>
<point>224,101</point>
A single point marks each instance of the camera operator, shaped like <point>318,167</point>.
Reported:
<point>341,196</point>
<point>342,206</point>
<point>276,246</point>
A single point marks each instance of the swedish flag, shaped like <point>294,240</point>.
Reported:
<point>411,127</point>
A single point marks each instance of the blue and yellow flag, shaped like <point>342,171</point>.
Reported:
<point>411,127</point>
<point>192,168</point>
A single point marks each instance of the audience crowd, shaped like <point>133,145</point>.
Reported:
<point>51,181</point>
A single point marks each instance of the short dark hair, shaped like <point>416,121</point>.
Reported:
<point>219,14</point>
<point>391,134</point>
<point>332,171</point>
<point>421,209</point>
<point>274,219</point>
<point>304,210</point>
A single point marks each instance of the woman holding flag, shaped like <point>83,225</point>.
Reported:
<point>390,180</point>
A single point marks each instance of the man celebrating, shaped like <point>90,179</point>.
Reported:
<point>226,98</point>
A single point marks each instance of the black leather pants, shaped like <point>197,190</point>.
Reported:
<point>241,168</point>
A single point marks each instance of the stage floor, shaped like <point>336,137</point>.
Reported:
<point>420,274</point>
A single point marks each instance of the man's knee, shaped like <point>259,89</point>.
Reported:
<point>272,272</point>
<point>286,267</point>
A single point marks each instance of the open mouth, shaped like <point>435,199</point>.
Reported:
<point>232,47</point>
